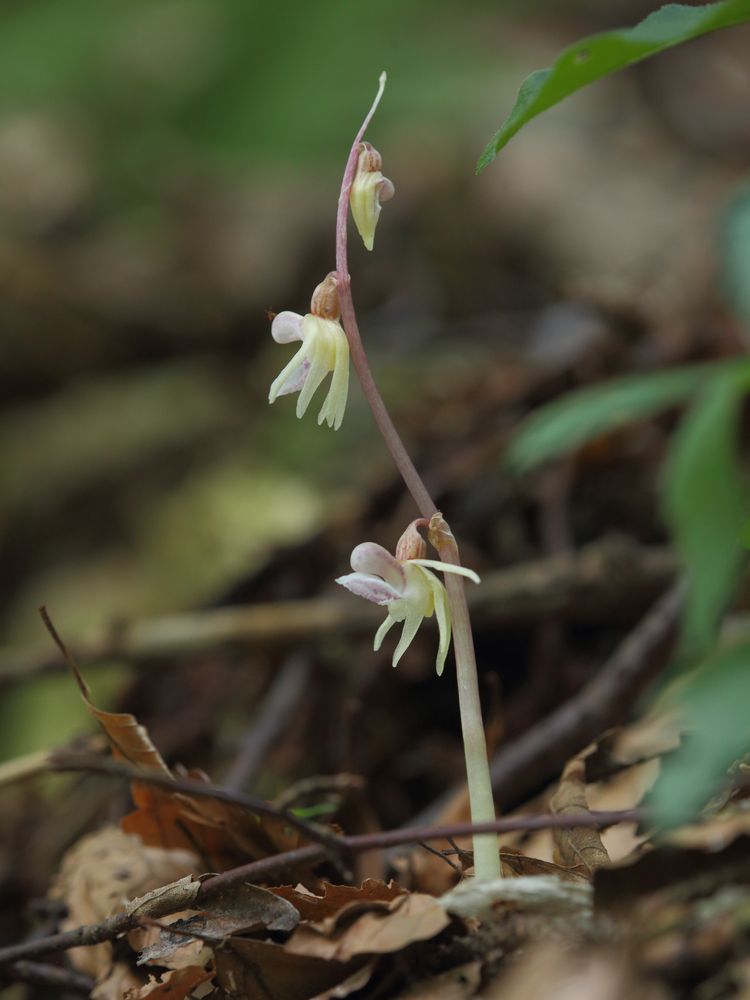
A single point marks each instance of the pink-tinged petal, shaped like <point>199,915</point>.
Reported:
<point>286,327</point>
<point>294,380</point>
<point>386,190</point>
<point>372,588</point>
<point>369,557</point>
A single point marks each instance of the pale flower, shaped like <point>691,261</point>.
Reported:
<point>369,189</point>
<point>324,349</point>
<point>408,589</point>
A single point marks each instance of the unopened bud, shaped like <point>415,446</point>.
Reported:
<point>369,189</point>
<point>325,298</point>
<point>411,545</point>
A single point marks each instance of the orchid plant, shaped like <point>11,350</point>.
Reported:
<point>404,583</point>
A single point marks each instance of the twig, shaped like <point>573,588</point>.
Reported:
<point>588,582</point>
<point>539,754</point>
<point>257,871</point>
<point>62,761</point>
<point>606,700</point>
<point>52,976</point>
<point>270,721</point>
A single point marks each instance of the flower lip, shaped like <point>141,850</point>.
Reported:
<point>286,327</point>
<point>371,558</point>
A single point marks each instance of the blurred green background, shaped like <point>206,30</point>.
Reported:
<point>169,171</point>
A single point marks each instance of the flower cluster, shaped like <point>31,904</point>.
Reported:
<point>410,591</point>
<point>324,349</point>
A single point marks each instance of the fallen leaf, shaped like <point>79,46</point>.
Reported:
<point>335,897</point>
<point>516,863</point>
<point>578,845</point>
<point>175,984</point>
<point>382,928</point>
<point>98,876</point>
<point>247,968</point>
<point>456,984</point>
<point>550,973</point>
<point>241,907</point>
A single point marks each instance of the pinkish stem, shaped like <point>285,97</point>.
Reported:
<point>486,846</point>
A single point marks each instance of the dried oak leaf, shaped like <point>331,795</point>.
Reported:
<point>240,908</point>
<point>457,984</point>
<point>247,968</point>
<point>370,928</point>
<point>516,863</point>
<point>100,874</point>
<point>176,984</point>
<point>224,834</point>
<point>578,845</point>
<point>335,897</point>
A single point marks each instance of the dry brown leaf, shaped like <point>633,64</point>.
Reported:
<point>382,928</point>
<point>578,845</point>
<point>100,874</point>
<point>516,863</point>
<point>115,983</point>
<point>247,968</point>
<point>352,984</point>
<point>335,897</point>
<point>241,907</point>
<point>456,984</point>
<point>224,834</point>
<point>176,984</point>
<point>549,973</point>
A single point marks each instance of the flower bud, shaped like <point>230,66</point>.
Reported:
<point>411,545</point>
<point>325,298</point>
<point>369,189</point>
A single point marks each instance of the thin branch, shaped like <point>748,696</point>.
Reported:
<point>257,871</point>
<point>270,720</point>
<point>62,761</point>
<point>537,756</point>
<point>51,976</point>
<point>594,580</point>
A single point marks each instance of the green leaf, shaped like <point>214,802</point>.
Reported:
<point>569,422</point>
<point>712,705</point>
<point>734,255</point>
<point>706,503</point>
<point>598,55</point>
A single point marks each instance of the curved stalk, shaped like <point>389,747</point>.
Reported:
<point>486,846</point>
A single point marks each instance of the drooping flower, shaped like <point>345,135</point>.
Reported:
<point>368,191</point>
<point>409,590</point>
<point>324,349</point>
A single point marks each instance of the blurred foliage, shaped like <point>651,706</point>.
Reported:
<point>161,81</point>
<point>734,256</point>
<point>711,704</point>
<point>575,419</point>
<point>594,57</point>
<point>706,503</point>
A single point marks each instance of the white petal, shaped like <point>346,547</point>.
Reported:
<point>443,615</point>
<point>295,380</point>
<point>447,568</point>
<point>335,402</point>
<point>288,372</point>
<point>369,557</point>
<point>286,327</point>
<point>372,588</point>
<point>411,624</point>
<point>382,631</point>
<point>318,371</point>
